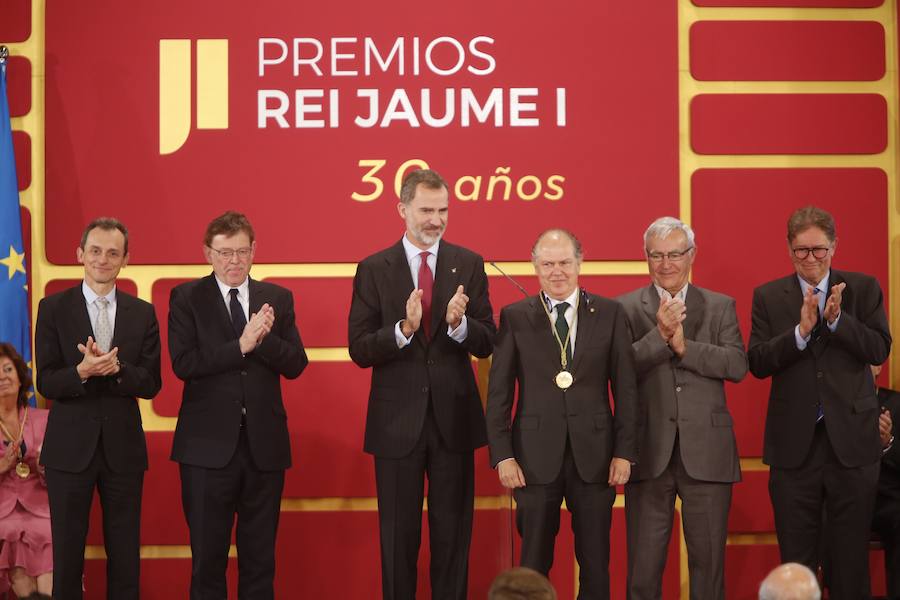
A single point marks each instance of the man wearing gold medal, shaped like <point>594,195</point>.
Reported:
<point>97,351</point>
<point>563,347</point>
<point>686,344</point>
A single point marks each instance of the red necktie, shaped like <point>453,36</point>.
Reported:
<point>426,283</point>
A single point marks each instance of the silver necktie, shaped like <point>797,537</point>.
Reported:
<point>103,330</point>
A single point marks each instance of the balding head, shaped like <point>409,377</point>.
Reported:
<point>790,581</point>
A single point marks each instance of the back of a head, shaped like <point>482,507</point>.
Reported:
<point>521,583</point>
<point>790,581</point>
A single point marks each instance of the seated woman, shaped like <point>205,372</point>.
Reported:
<point>26,552</point>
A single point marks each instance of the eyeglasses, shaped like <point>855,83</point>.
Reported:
<point>818,252</point>
<point>228,253</point>
<point>674,256</point>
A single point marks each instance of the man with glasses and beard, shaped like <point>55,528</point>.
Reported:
<point>815,333</point>
<point>419,309</point>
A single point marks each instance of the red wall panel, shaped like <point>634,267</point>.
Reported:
<point>22,150</point>
<point>787,50</point>
<point>788,123</point>
<point>797,3</point>
<point>751,510</point>
<point>15,26</point>
<point>18,85</point>
<point>745,568</point>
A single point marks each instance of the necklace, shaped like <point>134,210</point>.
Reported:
<point>22,468</point>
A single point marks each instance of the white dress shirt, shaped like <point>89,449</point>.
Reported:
<point>414,258</point>
<point>90,297</point>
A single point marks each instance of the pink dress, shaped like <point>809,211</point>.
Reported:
<point>25,509</point>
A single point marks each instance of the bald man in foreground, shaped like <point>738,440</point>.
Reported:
<point>790,581</point>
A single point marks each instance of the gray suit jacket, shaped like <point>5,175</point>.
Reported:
<point>686,395</point>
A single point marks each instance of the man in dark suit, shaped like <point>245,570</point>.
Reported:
<point>815,333</point>
<point>887,502</point>
<point>686,344</point>
<point>419,309</point>
<point>563,348</point>
<point>97,351</point>
<point>231,339</point>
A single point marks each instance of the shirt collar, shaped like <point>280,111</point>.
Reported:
<point>551,302</point>
<point>822,286</point>
<point>680,294</point>
<point>413,251</point>
<point>243,289</point>
<point>90,296</point>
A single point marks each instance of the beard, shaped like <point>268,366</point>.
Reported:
<point>427,238</point>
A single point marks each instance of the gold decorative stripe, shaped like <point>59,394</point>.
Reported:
<point>152,552</point>
<point>752,539</point>
<point>753,464</point>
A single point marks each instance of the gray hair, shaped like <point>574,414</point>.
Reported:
<point>560,233</point>
<point>663,228</point>
<point>790,581</point>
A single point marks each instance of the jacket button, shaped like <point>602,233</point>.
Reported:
<point>425,389</point>
<point>678,388</point>
<point>243,372</point>
<point>672,419</point>
<point>819,374</point>
<point>430,361</point>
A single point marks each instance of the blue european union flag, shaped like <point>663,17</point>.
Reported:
<point>15,324</point>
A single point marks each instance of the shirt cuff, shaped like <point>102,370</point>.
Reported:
<point>500,462</point>
<point>833,326</point>
<point>402,340</point>
<point>801,341</point>
<point>459,334</point>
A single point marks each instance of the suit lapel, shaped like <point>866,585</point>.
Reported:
<point>213,298</point>
<point>400,277</point>
<point>78,310</point>
<point>257,298</point>
<point>540,324</point>
<point>793,296</point>
<point>695,305</point>
<point>587,322</point>
<point>120,326</point>
<point>650,302</point>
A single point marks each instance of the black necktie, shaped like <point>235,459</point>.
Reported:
<point>238,320</point>
<point>562,330</point>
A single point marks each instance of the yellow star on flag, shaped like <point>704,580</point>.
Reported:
<point>15,262</point>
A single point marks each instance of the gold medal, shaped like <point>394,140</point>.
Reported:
<point>564,380</point>
<point>23,470</point>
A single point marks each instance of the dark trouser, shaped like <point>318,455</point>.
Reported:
<point>400,486</point>
<point>70,507</point>
<point>822,485</point>
<point>537,519</point>
<point>649,510</point>
<point>211,498</point>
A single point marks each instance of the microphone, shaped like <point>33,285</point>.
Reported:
<point>514,282</point>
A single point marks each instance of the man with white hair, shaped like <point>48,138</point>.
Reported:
<point>686,344</point>
<point>790,581</point>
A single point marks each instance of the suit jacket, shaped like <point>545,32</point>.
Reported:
<point>30,492</point>
<point>103,408</point>
<point>889,479</point>
<point>833,370</point>
<point>403,379</point>
<point>527,354</point>
<point>686,395</point>
<point>219,380</point>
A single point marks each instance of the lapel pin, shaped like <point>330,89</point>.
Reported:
<point>453,270</point>
<point>593,309</point>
